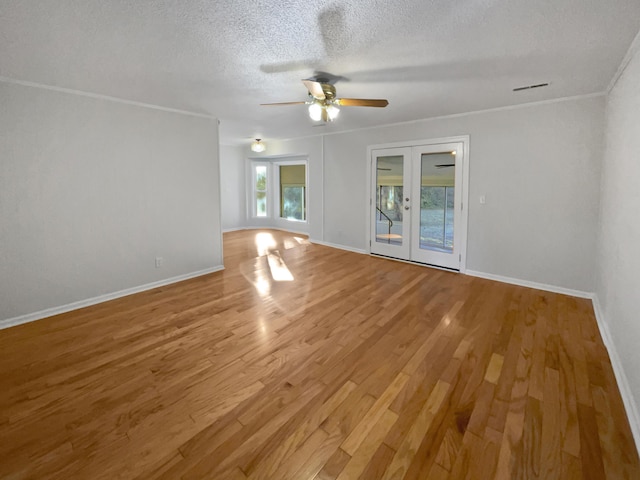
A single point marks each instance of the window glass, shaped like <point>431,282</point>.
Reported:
<point>260,190</point>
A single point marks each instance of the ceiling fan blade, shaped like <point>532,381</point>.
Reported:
<point>283,103</point>
<point>446,165</point>
<point>325,115</point>
<point>361,102</point>
<point>315,89</point>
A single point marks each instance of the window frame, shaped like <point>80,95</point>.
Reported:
<point>255,191</point>
<point>279,194</point>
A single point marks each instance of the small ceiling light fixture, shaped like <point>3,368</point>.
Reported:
<point>258,146</point>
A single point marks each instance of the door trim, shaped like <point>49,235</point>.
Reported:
<point>464,139</point>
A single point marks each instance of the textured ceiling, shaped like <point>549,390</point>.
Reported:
<point>223,58</point>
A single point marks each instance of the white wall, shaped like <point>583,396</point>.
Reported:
<point>233,187</point>
<point>91,191</point>
<point>618,286</point>
<point>539,167</point>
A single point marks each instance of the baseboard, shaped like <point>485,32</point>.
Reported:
<point>32,317</point>
<point>334,245</point>
<point>529,284</point>
<point>623,383</point>
<point>234,229</point>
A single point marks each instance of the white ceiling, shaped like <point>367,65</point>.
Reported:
<point>223,58</point>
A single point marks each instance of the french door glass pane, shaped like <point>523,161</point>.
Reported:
<point>437,194</point>
<point>389,178</point>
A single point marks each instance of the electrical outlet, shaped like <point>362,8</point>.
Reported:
<point>159,262</point>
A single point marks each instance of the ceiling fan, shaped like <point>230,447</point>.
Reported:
<point>323,103</point>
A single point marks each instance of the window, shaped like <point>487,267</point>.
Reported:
<point>278,190</point>
<point>260,190</point>
<point>293,186</point>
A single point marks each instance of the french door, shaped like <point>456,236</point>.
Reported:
<point>416,203</point>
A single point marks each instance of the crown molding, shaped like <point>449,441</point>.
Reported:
<point>98,96</point>
<point>634,48</point>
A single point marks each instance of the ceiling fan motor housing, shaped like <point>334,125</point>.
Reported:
<point>329,91</point>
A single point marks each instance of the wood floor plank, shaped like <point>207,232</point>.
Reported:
<point>493,370</point>
<point>477,459</point>
<point>379,463</point>
<point>613,464</point>
<point>360,432</point>
<point>551,452</point>
<point>364,454</point>
<point>265,464</point>
<point>358,367</point>
<point>334,465</point>
<point>527,459</point>
<point>591,454</point>
<point>404,455</point>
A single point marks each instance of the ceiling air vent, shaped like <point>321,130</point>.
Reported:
<point>529,87</point>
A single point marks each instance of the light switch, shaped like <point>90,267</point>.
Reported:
<point>483,200</point>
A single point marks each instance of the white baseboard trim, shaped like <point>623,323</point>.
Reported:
<point>529,284</point>
<point>341,247</point>
<point>32,317</point>
<point>623,383</point>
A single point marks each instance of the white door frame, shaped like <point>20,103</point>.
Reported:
<point>464,139</point>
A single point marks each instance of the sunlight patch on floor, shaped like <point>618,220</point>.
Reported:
<point>279,270</point>
<point>265,243</point>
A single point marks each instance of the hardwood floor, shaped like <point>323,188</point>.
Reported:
<point>347,367</point>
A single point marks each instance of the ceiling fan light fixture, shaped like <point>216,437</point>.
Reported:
<point>332,112</point>
<point>315,112</point>
<point>258,146</point>
<point>323,104</point>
